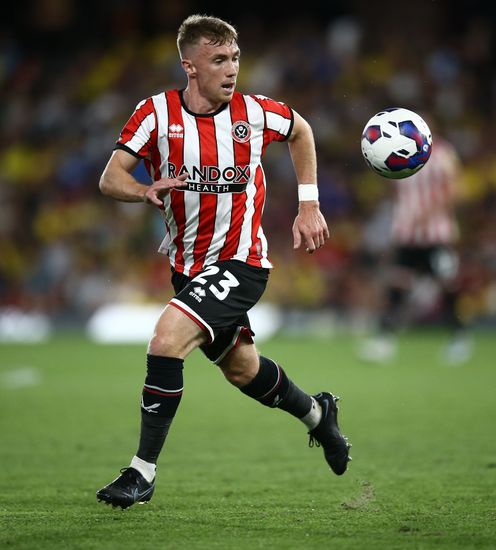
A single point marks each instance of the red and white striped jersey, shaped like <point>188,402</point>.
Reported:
<point>218,216</point>
<point>423,213</point>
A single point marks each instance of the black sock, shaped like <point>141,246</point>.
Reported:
<point>391,318</point>
<point>273,388</point>
<point>453,321</point>
<point>160,398</point>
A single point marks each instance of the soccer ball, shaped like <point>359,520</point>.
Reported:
<point>396,143</point>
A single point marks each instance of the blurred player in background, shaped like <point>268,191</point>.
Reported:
<point>203,147</point>
<point>424,233</point>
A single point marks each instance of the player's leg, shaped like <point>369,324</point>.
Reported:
<point>199,311</point>
<point>408,263</point>
<point>444,263</point>
<point>381,347</point>
<point>458,350</point>
<point>175,336</point>
<point>264,380</point>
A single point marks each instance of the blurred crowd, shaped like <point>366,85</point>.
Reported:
<point>71,74</point>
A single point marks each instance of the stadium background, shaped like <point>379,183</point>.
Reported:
<point>236,475</point>
<point>71,73</point>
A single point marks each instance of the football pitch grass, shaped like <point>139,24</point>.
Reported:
<point>236,475</point>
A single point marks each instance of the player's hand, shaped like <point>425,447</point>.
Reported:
<point>156,192</point>
<point>310,227</point>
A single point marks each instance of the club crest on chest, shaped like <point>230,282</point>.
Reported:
<point>241,131</point>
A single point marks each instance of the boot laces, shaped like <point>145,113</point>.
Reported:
<point>312,441</point>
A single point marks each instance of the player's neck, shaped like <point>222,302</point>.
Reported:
<point>196,103</point>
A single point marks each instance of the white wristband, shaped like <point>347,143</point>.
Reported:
<point>308,192</point>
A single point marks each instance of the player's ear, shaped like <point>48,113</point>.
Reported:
<point>188,67</point>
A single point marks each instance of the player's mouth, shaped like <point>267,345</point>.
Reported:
<point>229,87</point>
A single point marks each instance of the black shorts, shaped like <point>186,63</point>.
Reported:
<point>218,300</point>
<point>438,261</point>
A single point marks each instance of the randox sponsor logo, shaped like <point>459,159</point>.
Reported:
<point>214,187</point>
<point>211,174</point>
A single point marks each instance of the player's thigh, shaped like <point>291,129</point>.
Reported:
<point>175,334</point>
<point>220,296</point>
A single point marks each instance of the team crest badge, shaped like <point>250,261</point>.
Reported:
<point>241,131</point>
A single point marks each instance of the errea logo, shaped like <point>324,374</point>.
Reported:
<point>197,293</point>
<point>176,131</point>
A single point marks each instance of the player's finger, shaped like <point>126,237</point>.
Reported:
<point>170,183</point>
<point>155,201</point>
<point>296,239</point>
<point>318,240</point>
<point>310,245</point>
<point>183,177</point>
<point>152,198</point>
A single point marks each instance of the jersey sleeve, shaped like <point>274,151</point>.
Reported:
<point>139,133</point>
<point>279,118</point>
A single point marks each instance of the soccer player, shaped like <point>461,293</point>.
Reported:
<point>424,234</point>
<point>203,147</point>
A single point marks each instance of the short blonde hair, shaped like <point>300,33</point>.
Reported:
<point>217,31</point>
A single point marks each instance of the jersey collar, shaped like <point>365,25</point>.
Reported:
<point>183,104</point>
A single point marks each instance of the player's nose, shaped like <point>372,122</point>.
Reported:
<point>232,69</point>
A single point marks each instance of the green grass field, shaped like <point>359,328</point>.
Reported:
<point>237,475</point>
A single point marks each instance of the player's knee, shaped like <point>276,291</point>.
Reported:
<point>168,344</point>
<point>175,338</point>
<point>162,344</point>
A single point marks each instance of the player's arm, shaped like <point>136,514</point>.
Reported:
<point>117,181</point>
<point>309,226</point>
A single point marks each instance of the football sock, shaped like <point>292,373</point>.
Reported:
<point>159,401</point>
<point>391,317</point>
<point>312,419</point>
<point>273,388</point>
<point>452,319</point>
<point>146,469</point>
